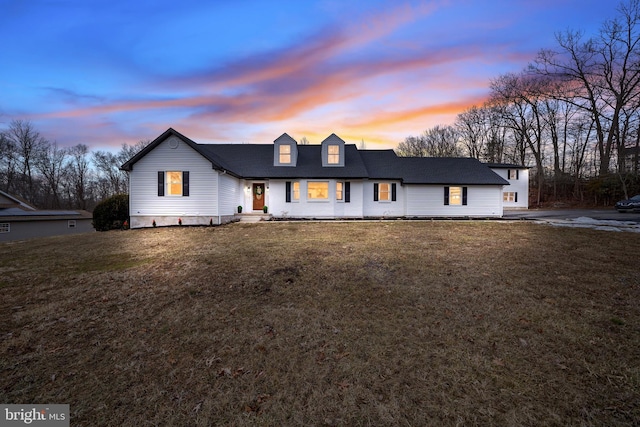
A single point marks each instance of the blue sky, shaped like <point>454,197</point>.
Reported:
<point>103,73</point>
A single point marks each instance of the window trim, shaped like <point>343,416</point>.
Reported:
<point>291,194</point>
<point>510,171</point>
<point>392,192</point>
<point>170,184</point>
<point>5,227</point>
<point>463,195</point>
<point>333,158</point>
<point>164,184</point>
<point>506,196</point>
<point>281,153</point>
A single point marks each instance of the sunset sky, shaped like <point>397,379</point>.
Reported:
<point>103,73</point>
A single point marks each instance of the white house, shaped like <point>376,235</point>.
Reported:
<point>516,195</point>
<point>175,179</point>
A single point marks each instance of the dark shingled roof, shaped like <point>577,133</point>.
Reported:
<point>384,164</point>
<point>256,161</point>
<point>506,166</point>
<point>447,170</point>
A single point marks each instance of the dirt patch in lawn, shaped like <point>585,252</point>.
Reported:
<point>381,323</point>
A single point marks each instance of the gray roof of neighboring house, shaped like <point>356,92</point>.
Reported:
<point>9,201</point>
<point>17,214</point>
<point>256,161</point>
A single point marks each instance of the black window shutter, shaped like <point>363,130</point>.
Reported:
<point>347,192</point>
<point>464,196</point>
<point>375,192</point>
<point>287,192</point>
<point>517,173</point>
<point>508,173</point>
<point>160,183</point>
<point>393,192</point>
<point>185,183</point>
<point>516,197</point>
<point>446,195</point>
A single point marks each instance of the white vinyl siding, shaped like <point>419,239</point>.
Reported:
<point>203,183</point>
<point>322,208</point>
<point>519,186</point>
<point>428,200</point>
<point>377,208</point>
<point>231,194</point>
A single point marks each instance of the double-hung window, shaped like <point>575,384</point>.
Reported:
<point>455,196</point>
<point>285,154</point>
<point>384,192</point>
<point>339,190</point>
<point>173,183</point>
<point>292,191</point>
<point>333,154</point>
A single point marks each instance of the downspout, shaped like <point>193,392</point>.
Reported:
<point>218,197</point>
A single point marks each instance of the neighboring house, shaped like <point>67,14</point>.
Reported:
<point>174,178</point>
<point>20,221</point>
<point>516,195</point>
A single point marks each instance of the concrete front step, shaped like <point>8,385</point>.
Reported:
<point>253,217</point>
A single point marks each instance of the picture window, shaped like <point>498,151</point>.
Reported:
<point>317,190</point>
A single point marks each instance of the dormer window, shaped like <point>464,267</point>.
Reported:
<point>333,154</point>
<point>285,151</point>
<point>285,154</point>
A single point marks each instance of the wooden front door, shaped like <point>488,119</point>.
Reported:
<point>258,197</point>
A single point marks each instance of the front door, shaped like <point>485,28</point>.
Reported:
<point>258,197</point>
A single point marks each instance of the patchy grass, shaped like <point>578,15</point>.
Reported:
<point>384,323</point>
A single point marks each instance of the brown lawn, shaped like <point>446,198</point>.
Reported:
<point>361,323</point>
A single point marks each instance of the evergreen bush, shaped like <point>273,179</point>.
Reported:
<point>111,213</point>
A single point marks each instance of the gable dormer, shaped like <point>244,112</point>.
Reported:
<point>333,151</point>
<point>285,151</point>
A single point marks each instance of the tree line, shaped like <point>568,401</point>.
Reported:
<point>573,116</point>
<point>52,177</point>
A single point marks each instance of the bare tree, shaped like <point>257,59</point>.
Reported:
<point>523,103</point>
<point>604,72</point>
<point>439,141</point>
<point>28,144</point>
<point>107,167</point>
<point>471,125</point>
<point>8,163</point>
<point>412,146</point>
<point>50,162</point>
<point>79,171</point>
